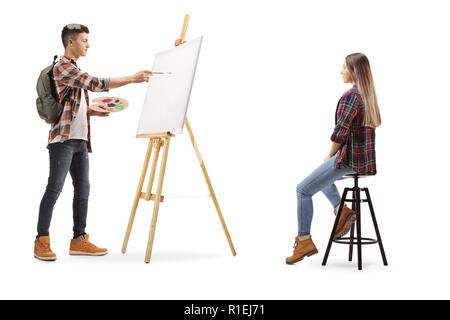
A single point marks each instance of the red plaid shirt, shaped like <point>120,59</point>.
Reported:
<point>358,141</point>
<point>67,74</point>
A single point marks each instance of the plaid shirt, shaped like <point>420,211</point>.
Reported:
<point>358,141</point>
<point>66,75</point>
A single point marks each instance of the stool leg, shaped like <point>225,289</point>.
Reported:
<point>352,236</point>
<point>330,242</point>
<point>352,232</point>
<point>358,226</point>
<point>372,213</point>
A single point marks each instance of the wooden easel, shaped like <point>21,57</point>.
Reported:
<point>160,141</point>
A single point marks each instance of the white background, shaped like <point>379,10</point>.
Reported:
<point>262,110</point>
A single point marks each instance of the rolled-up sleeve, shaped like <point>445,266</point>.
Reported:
<point>70,75</point>
<point>346,113</point>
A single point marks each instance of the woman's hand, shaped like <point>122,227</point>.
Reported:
<point>333,150</point>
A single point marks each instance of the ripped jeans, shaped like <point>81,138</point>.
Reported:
<point>321,179</point>
<point>68,156</point>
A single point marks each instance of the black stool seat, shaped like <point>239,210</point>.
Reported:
<point>356,207</point>
<point>353,175</point>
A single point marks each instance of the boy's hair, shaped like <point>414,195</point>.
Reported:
<point>71,31</point>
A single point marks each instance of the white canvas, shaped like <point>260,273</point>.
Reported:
<point>167,97</point>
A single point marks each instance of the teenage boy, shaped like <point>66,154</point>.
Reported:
<point>69,142</point>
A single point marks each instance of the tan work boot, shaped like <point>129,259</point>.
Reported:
<point>302,249</point>
<point>42,250</point>
<point>82,247</point>
<point>348,217</point>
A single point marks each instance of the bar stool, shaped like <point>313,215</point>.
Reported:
<point>356,207</point>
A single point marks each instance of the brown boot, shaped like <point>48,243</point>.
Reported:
<point>42,249</point>
<point>82,247</point>
<point>348,217</point>
<point>302,249</point>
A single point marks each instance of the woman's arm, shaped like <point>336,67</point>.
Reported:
<point>347,112</point>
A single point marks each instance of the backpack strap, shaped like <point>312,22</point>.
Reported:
<point>67,92</point>
<point>52,80</point>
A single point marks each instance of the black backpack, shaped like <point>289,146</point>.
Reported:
<point>48,105</point>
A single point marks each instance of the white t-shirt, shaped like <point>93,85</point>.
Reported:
<point>79,126</point>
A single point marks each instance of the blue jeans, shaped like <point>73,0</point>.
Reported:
<point>69,156</point>
<point>321,179</point>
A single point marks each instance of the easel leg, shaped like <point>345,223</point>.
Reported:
<point>157,145</point>
<point>211,190</point>
<point>162,171</point>
<point>219,212</point>
<point>138,196</point>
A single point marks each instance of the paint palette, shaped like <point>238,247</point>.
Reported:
<point>109,104</point>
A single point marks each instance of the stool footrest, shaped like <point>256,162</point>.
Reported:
<point>355,241</point>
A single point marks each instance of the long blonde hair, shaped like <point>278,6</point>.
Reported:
<point>359,67</point>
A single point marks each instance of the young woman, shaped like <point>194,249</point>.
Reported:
<point>352,151</point>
